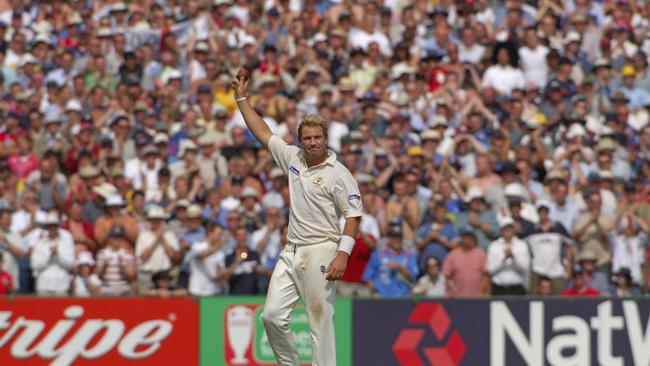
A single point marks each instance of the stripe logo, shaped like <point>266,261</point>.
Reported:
<point>294,170</point>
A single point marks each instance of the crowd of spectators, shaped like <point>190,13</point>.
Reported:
<point>501,147</point>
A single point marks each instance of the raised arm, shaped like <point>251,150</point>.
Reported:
<point>255,123</point>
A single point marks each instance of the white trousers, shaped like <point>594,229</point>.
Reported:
<point>299,274</point>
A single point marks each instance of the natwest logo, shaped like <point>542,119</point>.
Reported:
<point>407,346</point>
<point>619,339</point>
<point>63,332</point>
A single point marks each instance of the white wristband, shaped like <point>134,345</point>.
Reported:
<point>346,244</point>
<point>241,99</point>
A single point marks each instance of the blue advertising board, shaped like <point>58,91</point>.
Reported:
<point>532,332</point>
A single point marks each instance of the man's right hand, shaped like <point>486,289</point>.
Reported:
<point>240,84</point>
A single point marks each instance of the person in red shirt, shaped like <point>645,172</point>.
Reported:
<point>580,287</point>
<point>351,283</point>
<point>6,281</point>
<point>84,141</point>
<point>24,161</point>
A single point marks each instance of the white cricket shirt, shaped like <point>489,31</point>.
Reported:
<point>319,195</point>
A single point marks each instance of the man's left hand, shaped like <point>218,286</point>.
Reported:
<point>337,266</point>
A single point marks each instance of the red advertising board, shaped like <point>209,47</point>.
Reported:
<point>102,331</point>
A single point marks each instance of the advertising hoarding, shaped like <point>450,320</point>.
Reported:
<point>579,332</point>
<point>98,331</point>
<point>232,332</point>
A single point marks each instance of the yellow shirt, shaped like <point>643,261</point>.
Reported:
<point>226,99</point>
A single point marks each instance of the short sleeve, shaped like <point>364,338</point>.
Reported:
<point>171,240</point>
<point>281,152</point>
<point>448,266</point>
<point>347,196</point>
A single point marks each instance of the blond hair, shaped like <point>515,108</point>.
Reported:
<point>312,120</point>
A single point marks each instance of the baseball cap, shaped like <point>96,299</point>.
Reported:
<point>395,227</point>
<point>506,221</point>
<point>628,70</point>
<point>542,204</point>
<point>414,151</point>
<point>249,192</point>
<point>116,232</point>
<point>466,230</point>
<point>85,258</point>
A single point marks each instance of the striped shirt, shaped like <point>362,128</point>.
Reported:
<point>114,283</point>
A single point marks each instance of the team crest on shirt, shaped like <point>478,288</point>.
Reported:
<point>318,182</point>
<point>294,170</point>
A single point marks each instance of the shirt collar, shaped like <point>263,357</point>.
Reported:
<point>330,160</point>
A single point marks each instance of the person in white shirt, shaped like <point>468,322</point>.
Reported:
<point>52,257</point>
<point>267,241</point>
<point>142,171</point>
<point>207,265</point>
<point>367,34</point>
<point>508,261</point>
<point>273,197</point>
<point>550,247</point>
<point>316,255</point>
<point>157,248</point>
<point>470,51</point>
<point>504,77</point>
<point>196,69</point>
<point>533,59</point>
<point>432,284</point>
<point>11,244</point>
<point>85,283</point>
<point>628,244</point>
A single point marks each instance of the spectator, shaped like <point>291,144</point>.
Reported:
<point>242,266</point>
<point>436,239</point>
<point>208,265</point>
<point>163,286</point>
<point>195,233</point>
<point>352,283</point>
<point>177,222</point>
<point>508,261</point>
<point>85,283</point>
<point>273,197</point>
<point>432,284</point>
<point>51,186</point>
<point>482,221</point>
<point>544,286</point>
<point>550,247</point>
<point>116,267</point>
<point>15,259</point>
<point>464,268</point>
<point>52,257</point>
<point>250,209</point>
<point>580,286</point>
<point>404,206</point>
<point>157,248</point>
<point>627,241</point>
<point>592,228</point>
<point>82,230</point>
<point>392,270</point>
<point>6,280</point>
<point>589,275</point>
<point>624,287</point>
<point>563,208</point>
<point>268,241</point>
<point>116,217</point>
